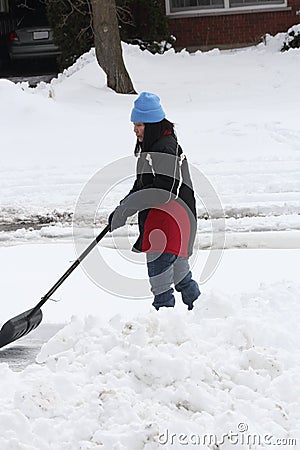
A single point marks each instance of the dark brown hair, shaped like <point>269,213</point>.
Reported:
<point>152,132</point>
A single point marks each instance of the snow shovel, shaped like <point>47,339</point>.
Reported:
<point>22,324</point>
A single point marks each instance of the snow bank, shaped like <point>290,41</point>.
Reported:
<point>291,35</point>
<point>231,363</point>
<point>272,43</point>
<point>260,228</point>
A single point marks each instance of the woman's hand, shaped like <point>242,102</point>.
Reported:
<point>117,218</point>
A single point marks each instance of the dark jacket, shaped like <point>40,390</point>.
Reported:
<point>163,194</point>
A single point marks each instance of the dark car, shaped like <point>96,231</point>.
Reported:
<point>31,42</point>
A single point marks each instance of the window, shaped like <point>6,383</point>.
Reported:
<point>183,5</point>
<point>197,6</point>
<point>234,3</point>
<point>4,8</point>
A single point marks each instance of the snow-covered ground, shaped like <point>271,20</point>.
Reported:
<point>236,118</point>
<point>119,375</point>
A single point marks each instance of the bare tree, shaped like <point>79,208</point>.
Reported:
<point>108,46</point>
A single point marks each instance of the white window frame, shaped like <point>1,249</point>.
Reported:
<point>226,10</point>
<point>4,7</point>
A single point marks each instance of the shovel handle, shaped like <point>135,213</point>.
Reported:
<point>70,270</point>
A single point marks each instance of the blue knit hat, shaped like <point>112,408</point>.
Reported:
<point>147,109</point>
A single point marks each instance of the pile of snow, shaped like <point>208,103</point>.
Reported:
<point>292,38</point>
<point>26,235</point>
<point>130,384</point>
<point>45,89</point>
<point>272,43</point>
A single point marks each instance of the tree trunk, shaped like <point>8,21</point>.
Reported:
<point>108,46</point>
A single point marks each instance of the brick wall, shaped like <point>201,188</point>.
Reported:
<point>230,30</point>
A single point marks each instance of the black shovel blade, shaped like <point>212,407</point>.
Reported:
<point>19,326</point>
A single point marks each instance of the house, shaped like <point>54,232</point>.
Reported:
<point>206,24</point>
